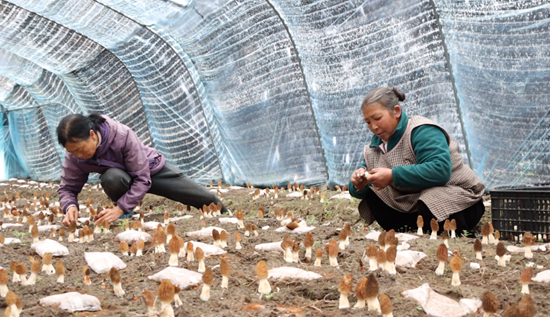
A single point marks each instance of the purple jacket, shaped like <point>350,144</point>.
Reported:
<point>121,148</point>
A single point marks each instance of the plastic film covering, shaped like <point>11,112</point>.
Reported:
<point>269,91</point>
<point>500,53</point>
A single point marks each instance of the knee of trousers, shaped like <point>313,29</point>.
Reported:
<point>115,182</point>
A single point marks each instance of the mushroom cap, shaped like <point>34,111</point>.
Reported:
<point>225,269</point>
<point>453,224</point>
<point>382,239</point>
<point>346,284</point>
<point>170,228</point>
<point>59,268</point>
<point>189,246</point>
<point>372,286</point>
<point>223,235</point>
<point>319,253</point>
<point>239,214</point>
<point>512,311</point>
<point>456,264</point>
<point>148,298</point>
<point>166,291</point>
<point>420,221</point>
<point>342,235</point>
<point>35,267</point>
<point>174,245</point>
<point>332,249</point>
<point>391,253</point>
<point>34,232</point>
<point>207,276</point>
<point>497,234</point>
<point>526,275</point>
<point>261,270</point>
<point>86,270</point>
<point>385,304</point>
<point>115,275</point>
<point>447,225</point>
<point>140,244</point>
<point>308,240</point>
<point>361,289</point>
<point>381,256</point>
<point>434,225</point>
<point>501,250</point>
<point>477,246</point>
<point>247,227</point>
<point>293,225</point>
<point>528,239</point>
<point>486,229</point>
<point>372,251</point>
<point>390,237</point>
<point>4,279</point>
<point>489,302</point>
<point>215,235</point>
<point>47,258</point>
<point>445,235</point>
<point>237,237</point>
<point>11,298</point>
<point>123,246</point>
<point>199,254</point>
<point>21,269</point>
<point>526,306</point>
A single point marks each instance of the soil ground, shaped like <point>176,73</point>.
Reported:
<point>290,297</point>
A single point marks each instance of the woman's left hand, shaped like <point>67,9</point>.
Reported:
<point>380,177</point>
<point>110,214</point>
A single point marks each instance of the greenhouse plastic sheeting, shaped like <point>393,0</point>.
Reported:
<point>269,91</point>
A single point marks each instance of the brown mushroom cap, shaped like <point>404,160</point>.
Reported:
<point>215,235</point>
<point>148,298</point>
<point>346,284</point>
<point>225,269</point>
<point>382,239</point>
<point>59,268</point>
<point>223,235</point>
<point>4,279</point>
<point>361,289</point>
<point>445,235</point>
<point>453,224</point>
<point>497,234</point>
<point>372,286</point>
<point>489,302</point>
<point>115,275</point>
<point>199,254</point>
<point>372,251</point>
<point>447,225</point>
<point>261,270</point>
<point>21,269</point>
<point>207,276</point>
<point>477,246</point>
<point>319,253</point>
<point>332,249</point>
<point>442,253</point>
<point>391,253</point>
<point>166,291</point>
<point>47,258</point>
<point>237,237</point>
<point>528,239</point>
<point>456,263</point>
<point>174,245</point>
<point>526,275</point>
<point>501,250</point>
<point>381,256</point>
<point>434,225</point>
<point>385,304</point>
<point>486,229</point>
<point>526,306</point>
<point>389,238</point>
<point>123,247</point>
<point>308,240</point>
<point>170,228</point>
<point>420,222</point>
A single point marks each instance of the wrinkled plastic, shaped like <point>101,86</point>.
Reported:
<point>50,246</point>
<point>437,305</point>
<point>182,278</point>
<point>269,92</point>
<point>292,273</point>
<point>102,262</point>
<point>72,302</point>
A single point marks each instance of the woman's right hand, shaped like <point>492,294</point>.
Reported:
<point>71,215</point>
<point>359,179</point>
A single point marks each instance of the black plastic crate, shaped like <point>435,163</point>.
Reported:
<point>516,211</point>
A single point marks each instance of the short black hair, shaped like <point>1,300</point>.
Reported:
<point>76,127</point>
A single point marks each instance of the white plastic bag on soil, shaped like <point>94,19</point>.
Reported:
<point>11,240</point>
<point>51,246</point>
<point>132,236</point>
<point>343,195</point>
<point>181,277</point>
<point>72,302</point>
<point>437,305</point>
<point>292,272</point>
<point>271,246</point>
<point>543,277</point>
<point>409,258</point>
<point>208,249</point>
<point>204,232</point>
<point>174,219</point>
<point>47,228</point>
<point>151,225</point>
<point>228,220</point>
<point>101,262</point>
<point>7,225</point>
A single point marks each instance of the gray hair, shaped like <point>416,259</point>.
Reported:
<point>385,96</point>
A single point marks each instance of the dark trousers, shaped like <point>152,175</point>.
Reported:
<point>389,218</point>
<point>169,182</point>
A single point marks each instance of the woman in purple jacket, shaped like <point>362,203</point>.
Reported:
<point>128,168</point>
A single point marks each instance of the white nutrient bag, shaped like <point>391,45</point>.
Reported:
<point>292,272</point>
<point>101,262</point>
<point>132,236</point>
<point>182,278</point>
<point>72,302</point>
<point>50,246</point>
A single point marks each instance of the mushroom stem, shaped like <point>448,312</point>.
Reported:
<point>166,310</point>
<point>373,264</point>
<point>525,288</point>
<point>374,304</point>
<point>360,303</point>
<point>528,252</point>
<point>3,290</point>
<point>440,268</point>
<point>501,261</point>
<point>205,293</point>
<point>456,279</point>
<point>117,287</point>
<point>173,261</point>
<point>61,279</point>
<point>420,231</point>
<point>344,302</point>
<point>264,286</point>
<point>225,282</point>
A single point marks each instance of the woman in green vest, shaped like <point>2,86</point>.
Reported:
<point>412,167</point>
